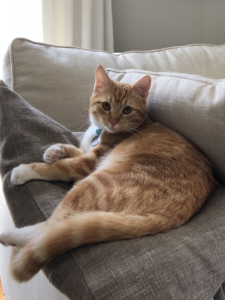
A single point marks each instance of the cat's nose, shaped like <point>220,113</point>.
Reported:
<point>113,122</point>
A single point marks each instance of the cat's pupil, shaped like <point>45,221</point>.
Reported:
<point>127,110</point>
<point>106,106</point>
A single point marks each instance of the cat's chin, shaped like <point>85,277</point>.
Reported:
<point>115,130</point>
<point>112,130</point>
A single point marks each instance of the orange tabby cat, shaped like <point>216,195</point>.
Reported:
<point>140,178</point>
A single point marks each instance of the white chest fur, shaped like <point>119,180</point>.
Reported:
<point>88,137</point>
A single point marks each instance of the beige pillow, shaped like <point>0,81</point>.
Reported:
<point>192,105</point>
<point>59,80</point>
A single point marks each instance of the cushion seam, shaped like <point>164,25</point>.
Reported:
<point>82,275</point>
<point>12,66</point>
<point>162,75</point>
<point>92,50</point>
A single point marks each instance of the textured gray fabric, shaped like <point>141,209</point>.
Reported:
<point>59,80</point>
<point>187,263</point>
<point>24,135</point>
<point>220,294</point>
<point>192,105</point>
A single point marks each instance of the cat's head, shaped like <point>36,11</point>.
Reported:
<point>117,106</point>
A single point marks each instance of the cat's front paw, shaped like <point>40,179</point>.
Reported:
<point>23,173</point>
<point>53,153</point>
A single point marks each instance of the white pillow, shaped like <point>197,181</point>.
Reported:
<point>192,105</point>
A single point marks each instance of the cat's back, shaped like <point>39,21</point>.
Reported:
<point>158,151</point>
<point>156,139</point>
<point>163,167</point>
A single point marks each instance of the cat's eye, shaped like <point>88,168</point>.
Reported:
<point>127,110</point>
<point>106,106</point>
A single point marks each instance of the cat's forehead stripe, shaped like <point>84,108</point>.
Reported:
<point>120,94</point>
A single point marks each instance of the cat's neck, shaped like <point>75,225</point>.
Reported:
<point>145,123</point>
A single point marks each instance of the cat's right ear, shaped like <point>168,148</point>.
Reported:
<point>102,80</point>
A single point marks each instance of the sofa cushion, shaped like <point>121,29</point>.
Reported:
<point>185,263</point>
<point>192,105</point>
<point>59,80</point>
<point>25,135</point>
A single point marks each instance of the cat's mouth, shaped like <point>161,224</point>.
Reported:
<point>117,129</point>
<point>112,129</point>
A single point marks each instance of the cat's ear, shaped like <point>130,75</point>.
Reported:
<point>102,80</point>
<point>142,86</point>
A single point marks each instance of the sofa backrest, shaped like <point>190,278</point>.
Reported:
<point>59,80</point>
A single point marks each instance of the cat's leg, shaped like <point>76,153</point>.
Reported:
<point>80,229</point>
<point>69,169</point>
<point>60,151</point>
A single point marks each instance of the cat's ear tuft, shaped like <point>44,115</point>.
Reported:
<point>102,80</point>
<point>142,86</point>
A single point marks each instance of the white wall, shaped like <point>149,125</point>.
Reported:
<point>154,24</point>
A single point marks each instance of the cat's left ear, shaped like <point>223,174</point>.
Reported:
<point>142,87</point>
<point>102,80</point>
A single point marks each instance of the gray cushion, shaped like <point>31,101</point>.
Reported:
<point>186,263</point>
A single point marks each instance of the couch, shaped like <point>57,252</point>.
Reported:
<point>44,100</point>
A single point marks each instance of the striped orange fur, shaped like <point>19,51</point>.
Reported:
<point>142,178</point>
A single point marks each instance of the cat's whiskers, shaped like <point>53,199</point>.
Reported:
<point>139,129</point>
<point>131,131</point>
<point>84,122</point>
<point>84,118</point>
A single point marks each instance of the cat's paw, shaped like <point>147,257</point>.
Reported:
<point>6,239</point>
<point>23,173</point>
<point>54,153</point>
<point>18,236</point>
<point>10,238</point>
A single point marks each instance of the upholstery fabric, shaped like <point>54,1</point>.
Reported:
<point>192,105</point>
<point>59,80</point>
<point>25,134</point>
<point>220,295</point>
<point>187,263</point>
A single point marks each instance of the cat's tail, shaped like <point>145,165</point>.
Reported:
<point>80,229</point>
